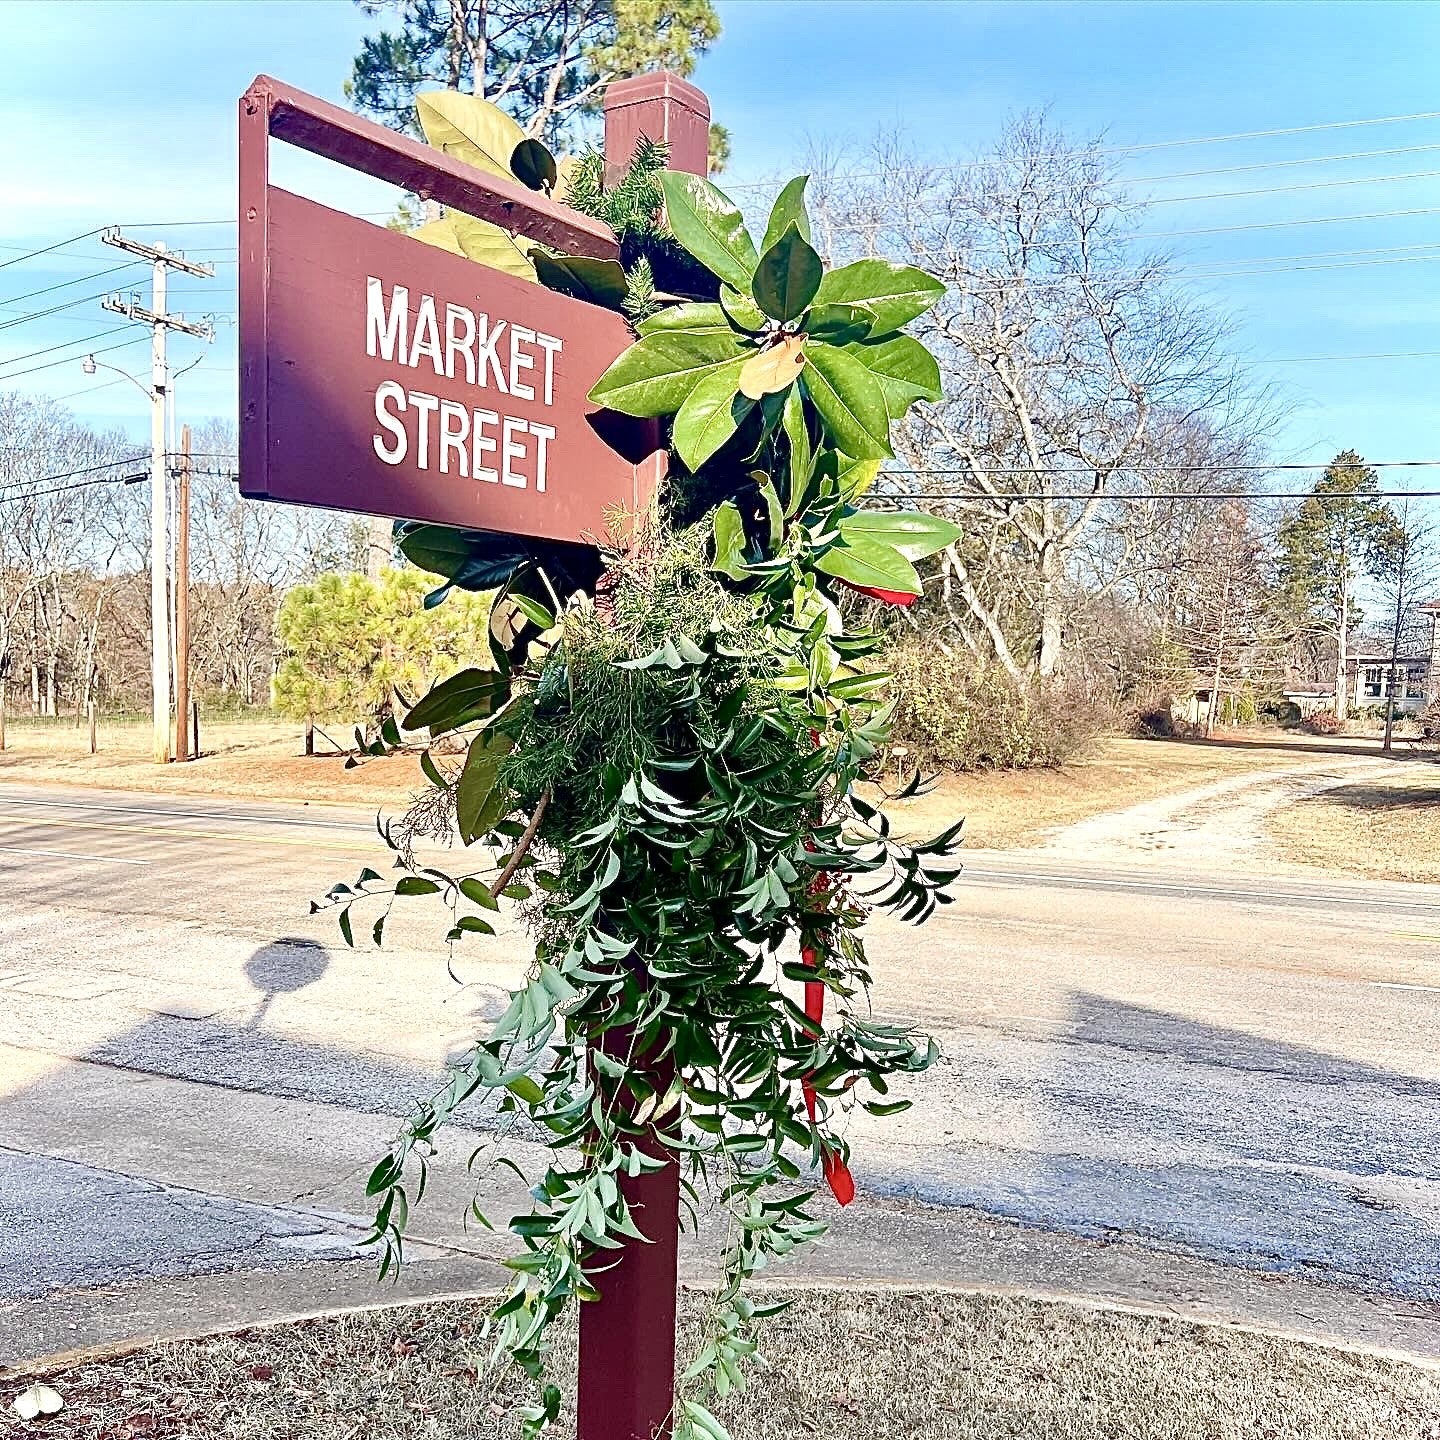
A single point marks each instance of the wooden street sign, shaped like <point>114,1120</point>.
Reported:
<point>384,375</point>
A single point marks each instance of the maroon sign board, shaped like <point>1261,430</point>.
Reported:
<point>384,375</point>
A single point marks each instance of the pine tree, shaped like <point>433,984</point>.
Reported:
<point>1336,537</point>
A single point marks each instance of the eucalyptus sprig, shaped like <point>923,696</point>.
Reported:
<point>664,755</point>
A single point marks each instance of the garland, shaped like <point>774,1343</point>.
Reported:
<point>664,753</point>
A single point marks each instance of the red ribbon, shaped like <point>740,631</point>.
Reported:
<point>836,1171</point>
<point>890,597</point>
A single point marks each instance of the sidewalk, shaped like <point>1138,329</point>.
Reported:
<point>245,1209</point>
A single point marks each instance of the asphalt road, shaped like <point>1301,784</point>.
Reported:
<point>195,1074</point>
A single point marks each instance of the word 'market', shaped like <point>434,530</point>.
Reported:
<point>455,342</point>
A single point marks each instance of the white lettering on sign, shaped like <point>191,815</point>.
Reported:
<point>487,352</point>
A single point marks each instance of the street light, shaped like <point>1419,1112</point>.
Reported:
<point>159,557</point>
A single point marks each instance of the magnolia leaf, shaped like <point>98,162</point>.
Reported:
<point>787,277</point>
<point>470,129</point>
<point>601,282</point>
<point>707,223</point>
<point>481,802</point>
<point>471,695</point>
<point>788,210</point>
<point>692,316</point>
<point>872,564</point>
<point>896,293</point>
<point>567,167</point>
<point>439,233</point>
<point>711,414</point>
<point>913,534</point>
<point>729,541</point>
<point>855,477</point>
<point>905,370</point>
<point>36,1401</point>
<point>655,374</point>
<point>767,371</point>
<point>744,313</point>
<point>533,165</point>
<point>850,402</point>
<point>488,244</point>
<point>839,324</point>
<point>797,433</point>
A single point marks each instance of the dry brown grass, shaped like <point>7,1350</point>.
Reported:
<point>263,759</point>
<point>1009,808</point>
<point>1385,829</point>
<point>243,759</point>
<point>850,1365</point>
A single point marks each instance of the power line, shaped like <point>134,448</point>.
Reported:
<point>1254,467</point>
<point>1280,164</point>
<point>1217,498</point>
<point>70,359</point>
<point>77,485</point>
<point>46,249</point>
<point>1289,224</point>
<point>63,284</point>
<point>1290,189</point>
<point>48,349</point>
<point>53,310</point>
<point>82,470</point>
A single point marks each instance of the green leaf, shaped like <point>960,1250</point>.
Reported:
<point>868,562</point>
<point>471,695</point>
<point>797,433</point>
<point>532,610</point>
<point>523,1087</point>
<point>708,224</point>
<point>912,534</point>
<point>788,210</point>
<point>904,369</point>
<point>533,165</point>
<point>855,477</point>
<point>896,293</point>
<point>655,374</point>
<point>741,310</point>
<point>469,129</point>
<point>787,277</point>
<point>488,244</point>
<point>478,893</point>
<point>850,402</point>
<point>480,800</point>
<point>601,282</point>
<point>691,316</point>
<point>729,541</point>
<point>416,885</point>
<point>839,324</point>
<point>711,414</point>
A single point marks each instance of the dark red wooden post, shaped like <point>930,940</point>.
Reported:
<point>627,1337</point>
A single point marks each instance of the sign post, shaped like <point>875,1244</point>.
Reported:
<point>383,375</point>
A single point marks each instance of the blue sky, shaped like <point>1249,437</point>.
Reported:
<point>123,112</point>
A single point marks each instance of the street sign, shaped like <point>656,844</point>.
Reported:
<point>383,375</point>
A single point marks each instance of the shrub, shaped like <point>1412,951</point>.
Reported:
<point>1429,722</point>
<point>1323,722</point>
<point>1156,721</point>
<point>1285,713</point>
<point>956,715</point>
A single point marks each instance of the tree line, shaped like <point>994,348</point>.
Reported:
<point>1098,443</point>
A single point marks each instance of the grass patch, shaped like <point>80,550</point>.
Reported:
<point>850,1365</point>
<point>1386,829</point>
<point>1005,809</point>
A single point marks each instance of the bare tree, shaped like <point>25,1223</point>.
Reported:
<point>1074,366</point>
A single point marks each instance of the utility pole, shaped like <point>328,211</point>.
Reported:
<point>160,322</point>
<point>182,602</point>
